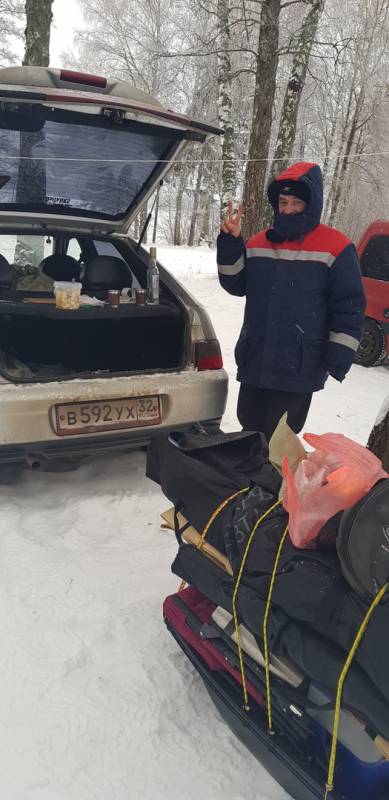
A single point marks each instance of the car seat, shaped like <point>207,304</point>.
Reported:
<point>60,268</point>
<point>106,272</point>
<point>6,274</point>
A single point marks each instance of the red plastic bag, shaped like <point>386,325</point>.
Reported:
<point>330,479</point>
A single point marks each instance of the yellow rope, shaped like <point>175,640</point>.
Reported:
<point>208,524</point>
<point>217,511</point>
<point>335,730</point>
<point>265,623</point>
<point>235,594</point>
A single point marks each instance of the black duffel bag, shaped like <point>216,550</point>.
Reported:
<point>198,470</point>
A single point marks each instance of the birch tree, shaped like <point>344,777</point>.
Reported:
<point>32,173</point>
<point>39,16</point>
<point>228,177</point>
<point>264,93</point>
<point>296,82</point>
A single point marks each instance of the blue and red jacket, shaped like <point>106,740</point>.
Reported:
<point>304,295</point>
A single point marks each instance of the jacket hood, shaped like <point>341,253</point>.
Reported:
<point>286,226</point>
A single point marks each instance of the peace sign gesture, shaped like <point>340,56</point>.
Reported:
<point>231,223</point>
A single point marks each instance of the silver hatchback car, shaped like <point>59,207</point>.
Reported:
<point>79,156</point>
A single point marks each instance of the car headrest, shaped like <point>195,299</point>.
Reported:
<point>60,268</point>
<point>6,273</point>
<point>107,272</point>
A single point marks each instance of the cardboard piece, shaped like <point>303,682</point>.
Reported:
<point>192,536</point>
<point>285,442</point>
<point>39,300</point>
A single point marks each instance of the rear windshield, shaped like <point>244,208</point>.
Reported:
<point>80,168</point>
<point>375,259</point>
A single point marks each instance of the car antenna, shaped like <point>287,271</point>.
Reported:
<point>148,218</point>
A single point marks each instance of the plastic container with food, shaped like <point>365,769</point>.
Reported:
<point>67,294</point>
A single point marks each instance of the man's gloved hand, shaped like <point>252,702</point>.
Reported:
<point>231,223</point>
<point>338,378</point>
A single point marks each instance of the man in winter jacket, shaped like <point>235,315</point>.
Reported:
<point>304,302</point>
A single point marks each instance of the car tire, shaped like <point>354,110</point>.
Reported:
<point>372,348</point>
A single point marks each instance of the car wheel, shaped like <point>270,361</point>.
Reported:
<point>372,347</point>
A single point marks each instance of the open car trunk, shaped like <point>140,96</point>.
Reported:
<point>38,342</point>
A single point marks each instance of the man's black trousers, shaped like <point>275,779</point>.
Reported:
<point>261,409</point>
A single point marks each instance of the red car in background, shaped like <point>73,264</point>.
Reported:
<point>373,251</point>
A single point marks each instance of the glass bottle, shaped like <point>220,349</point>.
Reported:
<point>153,277</point>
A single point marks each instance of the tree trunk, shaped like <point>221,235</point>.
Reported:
<point>156,211</point>
<point>136,227</point>
<point>344,165</point>
<point>335,177</point>
<point>265,87</point>
<point>178,215</point>
<point>330,137</point>
<point>288,121</point>
<point>142,221</point>
<point>195,206</point>
<point>228,172</point>
<point>182,169</point>
<point>378,441</point>
<point>204,237</point>
<point>32,174</point>
<point>37,49</point>
<point>289,113</point>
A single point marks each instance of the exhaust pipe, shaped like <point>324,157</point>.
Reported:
<point>33,462</point>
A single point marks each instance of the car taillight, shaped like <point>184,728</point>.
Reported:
<point>208,355</point>
<point>83,77</point>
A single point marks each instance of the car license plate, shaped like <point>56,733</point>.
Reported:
<point>107,415</point>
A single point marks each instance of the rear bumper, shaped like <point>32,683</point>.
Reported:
<point>27,419</point>
<point>67,454</point>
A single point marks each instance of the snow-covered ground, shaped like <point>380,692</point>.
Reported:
<point>96,700</point>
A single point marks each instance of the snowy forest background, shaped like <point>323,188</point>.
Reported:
<point>298,79</point>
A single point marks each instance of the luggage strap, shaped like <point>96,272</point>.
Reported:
<point>177,530</point>
<point>250,540</point>
<point>208,524</point>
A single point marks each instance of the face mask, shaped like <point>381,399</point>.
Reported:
<point>291,226</point>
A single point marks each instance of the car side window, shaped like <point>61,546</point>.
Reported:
<point>74,249</point>
<point>375,258</point>
<point>106,249</point>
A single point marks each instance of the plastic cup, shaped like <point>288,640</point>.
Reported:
<point>67,295</point>
<point>113,296</point>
